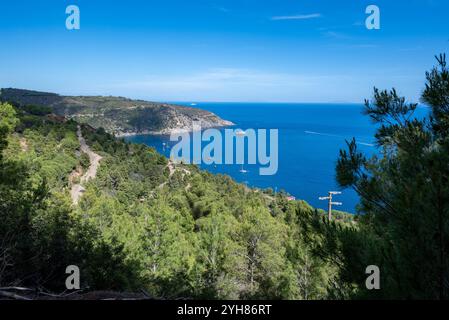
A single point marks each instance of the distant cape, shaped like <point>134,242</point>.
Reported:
<point>118,115</point>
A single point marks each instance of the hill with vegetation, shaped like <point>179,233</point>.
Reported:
<point>145,224</point>
<point>117,115</point>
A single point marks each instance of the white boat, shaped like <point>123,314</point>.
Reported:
<point>240,132</point>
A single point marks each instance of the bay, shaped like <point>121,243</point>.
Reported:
<point>310,138</point>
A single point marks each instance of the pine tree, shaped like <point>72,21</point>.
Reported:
<point>404,196</point>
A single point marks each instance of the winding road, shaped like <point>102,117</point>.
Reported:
<point>77,189</point>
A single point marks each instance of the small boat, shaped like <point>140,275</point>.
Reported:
<point>240,132</point>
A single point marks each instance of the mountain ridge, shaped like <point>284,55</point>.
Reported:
<point>119,116</point>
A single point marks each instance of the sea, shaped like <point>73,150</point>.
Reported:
<point>310,137</point>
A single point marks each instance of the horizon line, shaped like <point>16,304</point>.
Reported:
<point>168,101</point>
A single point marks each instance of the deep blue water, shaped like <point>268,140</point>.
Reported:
<point>310,137</point>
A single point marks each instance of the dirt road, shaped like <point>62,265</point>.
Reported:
<point>78,189</point>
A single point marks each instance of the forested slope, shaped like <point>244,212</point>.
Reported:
<point>171,230</point>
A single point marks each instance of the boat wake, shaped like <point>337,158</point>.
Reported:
<point>337,136</point>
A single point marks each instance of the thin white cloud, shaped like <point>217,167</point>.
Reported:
<point>336,35</point>
<point>218,78</point>
<point>365,46</point>
<point>297,17</point>
<point>231,84</point>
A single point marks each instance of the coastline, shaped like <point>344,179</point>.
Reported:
<point>167,132</point>
<point>307,169</point>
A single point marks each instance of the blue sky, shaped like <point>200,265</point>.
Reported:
<point>246,50</point>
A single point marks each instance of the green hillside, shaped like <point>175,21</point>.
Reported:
<point>144,223</point>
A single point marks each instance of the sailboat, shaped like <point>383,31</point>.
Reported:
<point>243,170</point>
